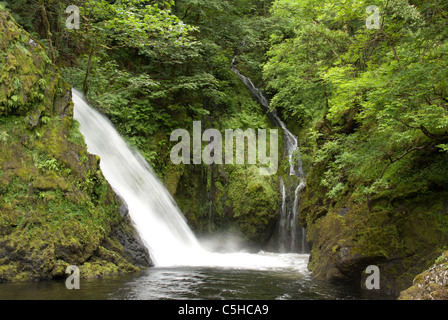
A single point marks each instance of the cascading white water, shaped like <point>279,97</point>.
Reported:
<point>288,222</point>
<point>294,224</point>
<point>291,142</point>
<point>151,207</point>
<point>152,210</point>
<point>283,220</point>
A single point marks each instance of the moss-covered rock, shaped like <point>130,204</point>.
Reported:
<point>56,208</point>
<point>402,233</point>
<point>432,284</point>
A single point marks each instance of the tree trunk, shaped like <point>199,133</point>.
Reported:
<point>46,24</point>
<point>85,86</point>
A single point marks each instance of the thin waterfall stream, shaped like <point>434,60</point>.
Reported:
<point>291,236</point>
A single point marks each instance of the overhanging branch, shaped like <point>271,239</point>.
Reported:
<point>391,161</point>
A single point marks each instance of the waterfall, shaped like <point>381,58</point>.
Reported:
<point>291,237</point>
<point>153,211</point>
<point>283,220</point>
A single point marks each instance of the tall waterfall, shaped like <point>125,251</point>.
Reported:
<point>152,209</point>
<point>155,215</point>
<point>291,236</point>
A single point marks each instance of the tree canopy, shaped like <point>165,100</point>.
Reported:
<point>369,97</point>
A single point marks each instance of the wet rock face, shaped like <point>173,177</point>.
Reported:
<point>56,208</point>
<point>133,248</point>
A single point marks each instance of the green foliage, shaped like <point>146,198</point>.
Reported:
<point>153,68</point>
<point>46,163</point>
<point>370,99</point>
<point>150,28</point>
<point>4,137</point>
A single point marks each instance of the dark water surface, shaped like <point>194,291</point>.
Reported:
<point>192,283</point>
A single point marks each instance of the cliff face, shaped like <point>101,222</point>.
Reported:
<point>56,208</point>
<point>402,232</point>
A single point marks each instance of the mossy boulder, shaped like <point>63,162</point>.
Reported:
<point>432,284</point>
<point>56,208</point>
